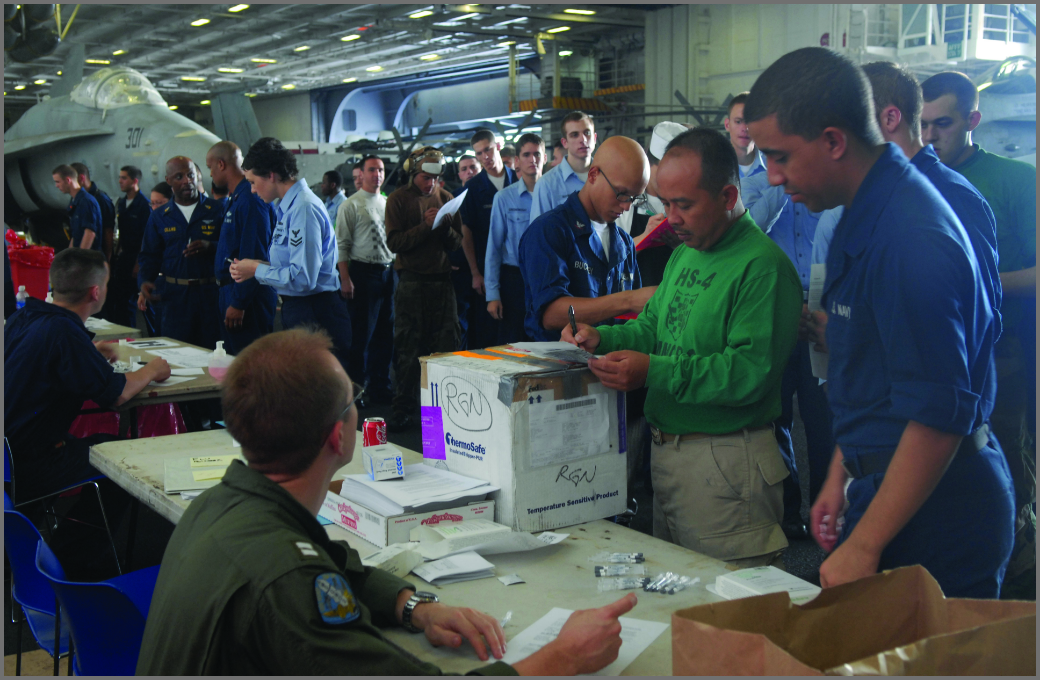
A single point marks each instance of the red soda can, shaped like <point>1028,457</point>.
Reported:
<point>374,432</point>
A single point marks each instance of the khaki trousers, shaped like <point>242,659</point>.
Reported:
<point>721,496</point>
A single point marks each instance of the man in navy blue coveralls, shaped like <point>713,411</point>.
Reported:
<point>180,240</point>
<point>84,212</point>
<point>562,255</point>
<point>479,329</point>
<point>246,308</point>
<point>910,332</point>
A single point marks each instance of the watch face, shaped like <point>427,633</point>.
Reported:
<point>426,597</point>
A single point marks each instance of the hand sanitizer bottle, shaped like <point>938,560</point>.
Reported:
<point>219,362</point>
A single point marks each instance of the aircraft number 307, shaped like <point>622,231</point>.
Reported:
<point>133,137</point>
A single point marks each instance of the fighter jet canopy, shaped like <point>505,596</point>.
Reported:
<point>115,87</point>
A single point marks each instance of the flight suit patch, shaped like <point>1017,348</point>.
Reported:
<point>336,602</point>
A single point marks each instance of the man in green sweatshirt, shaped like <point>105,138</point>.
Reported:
<point>711,347</point>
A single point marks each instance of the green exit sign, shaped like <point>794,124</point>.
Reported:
<point>954,50</point>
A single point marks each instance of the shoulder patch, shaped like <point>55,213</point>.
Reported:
<point>335,600</point>
<point>306,549</point>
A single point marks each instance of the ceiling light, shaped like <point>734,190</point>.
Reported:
<point>193,79</point>
<point>983,86</point>
<point>583,12</point>
<point>173,107</point>
<point>507,43</point>
<point>227,69</point>
<point>301,48</point>
<point>288,86</point>
<point>374,69</point>
<point>200,22</point>
<point>59,73</point>
<point>98,61</point>
<point>420,15</point>
<point>566,53</point>
<point>41,81</point>
<point>250,94</point>
<point>264,61</point>
<point>118,52</point>
<point>559,29</point>
<point>466,16</point>
<point>19,87</point>
<point>238,8</point>
<point>350,80</point>
<point>430,57</point>
<point>204,102</point>
<point>348,38</point>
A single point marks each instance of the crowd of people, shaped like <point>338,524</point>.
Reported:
<point>685,267</point>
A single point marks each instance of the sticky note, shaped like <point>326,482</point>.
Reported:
<point>207,475</point>
<point>210,461</point>
<point>432,432</point>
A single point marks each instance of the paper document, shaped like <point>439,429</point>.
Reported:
<point>482,543</point>
<point>186,357</point>
<point>179,475</point>
<point>817,276</point>
<point>172,380</point>
<point>152,343</point>
<point>736,585</point>
<point>561,351</point>
<point>636,636</point>
<point>95,324</point>
<point>449,209</point>
<point>211,461</point>
<point>467,566</point>
<point>562,430</point>
<point>187,371</point>
<point>421,486</point>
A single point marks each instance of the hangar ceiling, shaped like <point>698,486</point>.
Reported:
<point>190,52</point>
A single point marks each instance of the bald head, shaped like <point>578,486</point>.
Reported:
<point>619,168</point>
<point>224,161</point>
<point>180,175</point>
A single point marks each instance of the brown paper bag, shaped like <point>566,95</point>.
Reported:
<point>893,623</point>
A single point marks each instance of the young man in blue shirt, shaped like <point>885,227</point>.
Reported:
<point>575,255</point>
<point>570,174</point>
<point>510,214</point>
<point>84,212</point>
<point>246,308</point>
<point>108,208</point>
<point>910,332</point>
<point>132,213</point>
<point>479,329</point>
<point>332,190</point>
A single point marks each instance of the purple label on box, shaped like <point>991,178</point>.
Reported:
<point>432,432</point>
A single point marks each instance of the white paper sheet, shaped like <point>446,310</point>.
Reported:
<point>818,360</point>
<point>186,357</point>
<point>463,567</point>
<point>563,351</point>
<point>422,484</point>
<point>494,544</point>
<point>187,371</point>
<point>95,324</point>
<point>562,430</point>
<point>448,209</point>
<point>636,636</point>
<point>172,380</point>
<point>152,343</point>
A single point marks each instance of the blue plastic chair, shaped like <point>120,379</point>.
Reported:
<point>30,591</point>
<point>9,479</point>
<point>106,619</point>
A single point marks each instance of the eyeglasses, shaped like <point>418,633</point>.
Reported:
<point>622,198</point>
<point>359,391</point>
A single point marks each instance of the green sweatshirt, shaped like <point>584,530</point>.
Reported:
<point>719,331</point>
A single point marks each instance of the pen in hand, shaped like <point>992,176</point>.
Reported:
<point>574,324</point>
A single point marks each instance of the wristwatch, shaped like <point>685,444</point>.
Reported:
<point>420,597</point>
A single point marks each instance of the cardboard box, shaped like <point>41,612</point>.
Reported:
<point>545,431</point>
<point>384,531</point>
<point>383,462</point>
<point>893,623</point>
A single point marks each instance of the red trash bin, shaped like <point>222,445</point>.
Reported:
<point>31,267</point>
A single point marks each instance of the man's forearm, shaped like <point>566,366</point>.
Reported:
<point>921,458</point>
<point>87,240</point>
<point>1019,284</point>
<point>135,382</point>
<point>586,310</point>
<point>109,238</point>
<point>344,270</point>
<point>469,249</point>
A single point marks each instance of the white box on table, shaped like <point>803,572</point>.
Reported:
<point>543,430</point>
<point>383,461</point>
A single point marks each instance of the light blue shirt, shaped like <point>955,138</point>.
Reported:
<point>825,233</point>
<point>332,205</point>
<point>757,166</point>
<point>553,189</point>
<point>303,246</point>
<point>509,220</point>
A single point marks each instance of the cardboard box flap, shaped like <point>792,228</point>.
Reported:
<point>896,619</point>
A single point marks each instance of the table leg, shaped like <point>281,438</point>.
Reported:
<point>135,506</point>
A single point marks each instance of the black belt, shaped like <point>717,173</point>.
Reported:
<point>866,464</point>
<point>191,282</point>
<point>226,282</point>
<point>375,265</point>
<point>426,278</point>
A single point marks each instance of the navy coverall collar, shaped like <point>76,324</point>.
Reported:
<point>865,210</point>
<point>583,229</point>
<point>36,308</point>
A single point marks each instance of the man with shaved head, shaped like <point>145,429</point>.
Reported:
<point>575,254</point>
<point>710,346</point>
<point>180,240</point>
<point>246,308</point>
